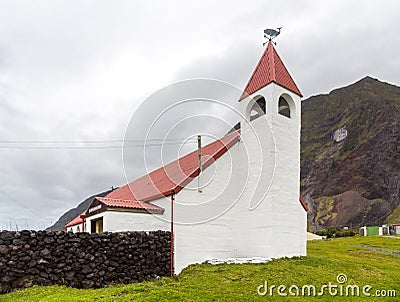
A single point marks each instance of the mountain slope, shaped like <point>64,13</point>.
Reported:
<point>71,214</point>
<point>355,181</point>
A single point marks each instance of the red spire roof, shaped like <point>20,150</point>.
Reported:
<point>269,69</point>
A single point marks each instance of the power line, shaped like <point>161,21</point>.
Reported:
<point>93,141</point>
<point>80,145</point>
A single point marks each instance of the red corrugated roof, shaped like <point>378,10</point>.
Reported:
<point>161,182</point>
<point>76,220</point>
<point>165,180</point>
<point>176,175</point>
<point>132,204</point>
<point>269,69</point>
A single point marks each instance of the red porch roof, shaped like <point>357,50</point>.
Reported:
<point>77,220</point>
<point>131,204</point>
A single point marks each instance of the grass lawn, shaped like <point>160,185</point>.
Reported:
<point>373,261</point>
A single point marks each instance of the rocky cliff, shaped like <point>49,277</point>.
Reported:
<point>350,155</point>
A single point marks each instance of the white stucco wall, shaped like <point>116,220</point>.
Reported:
<point>117,221</point>
<point>75,228</point>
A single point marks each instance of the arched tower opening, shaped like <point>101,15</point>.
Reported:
<point>256,108</point>
<point>286,106</point>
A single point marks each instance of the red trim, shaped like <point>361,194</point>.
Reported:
<point>171,273</point>
<point>83,217</point>
<point>77,220</point>
<point>303,203</point>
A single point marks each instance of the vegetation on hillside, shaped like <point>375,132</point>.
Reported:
<point>366,162</point>
<point>395,216</point>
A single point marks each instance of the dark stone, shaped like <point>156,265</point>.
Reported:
<point>48,240</point>
<point>45,252</point>
<point>25,234</point>
<point>86,269</point>
<point>23,282</point>
<point>42,261</point>
<point>80,260</point>
<point>32,271</point>
<point>74,240</point>
<point>69,275</point>
<point>87,283</point>
<point>17,242</point>
<point>3,249</point>
<point>6,279</point>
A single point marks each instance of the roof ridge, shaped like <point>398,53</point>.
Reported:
<point>270,52</point>
<point>175,175</point>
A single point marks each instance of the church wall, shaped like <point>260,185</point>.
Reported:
<point>118,221</point>
<point>203,227</point>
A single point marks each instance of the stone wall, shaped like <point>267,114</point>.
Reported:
<point>81,260</point>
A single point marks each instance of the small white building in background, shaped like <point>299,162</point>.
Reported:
<point>249,204</point>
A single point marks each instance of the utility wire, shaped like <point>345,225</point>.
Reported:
<point>73,145</point>
<point>92,141</point>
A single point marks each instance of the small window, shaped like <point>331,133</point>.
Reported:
<point>283,107</point>
<point>78,229</point>
<point>258,109</point>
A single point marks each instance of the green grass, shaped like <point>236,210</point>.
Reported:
<point>370,261</point>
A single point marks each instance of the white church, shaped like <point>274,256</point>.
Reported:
<point>248,206</point>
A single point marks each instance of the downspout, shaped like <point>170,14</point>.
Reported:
<point>199,153</point>
<point>171,273</point>
<point>83,217</point>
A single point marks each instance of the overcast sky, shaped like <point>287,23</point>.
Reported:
<point>74,71</point>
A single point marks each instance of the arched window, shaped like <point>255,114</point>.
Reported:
<point>283,107</point>
<point>78,229</point>
<point>258,108</point>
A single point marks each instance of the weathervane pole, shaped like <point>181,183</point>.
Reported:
<point>271,33</point>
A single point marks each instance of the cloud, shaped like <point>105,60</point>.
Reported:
<point>76,72</point>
